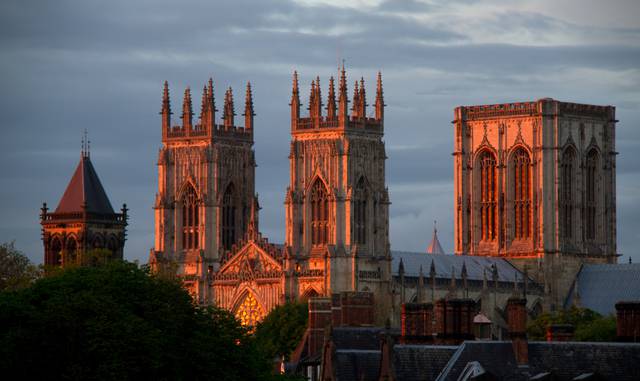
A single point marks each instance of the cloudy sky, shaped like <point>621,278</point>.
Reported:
<point>70,65</point>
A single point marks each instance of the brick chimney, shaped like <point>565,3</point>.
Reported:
<point>454,320</point>
<point>356,308</point>
<point>319,320</point>
<point>560,332</point>
<point>628,321</point>
<point>416,323</point>
<point>517,322</point>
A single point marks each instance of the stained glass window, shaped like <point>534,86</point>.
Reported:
<point>249,312</point>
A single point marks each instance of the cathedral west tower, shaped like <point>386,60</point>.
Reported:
<point>206,187</point>
<point>535,183</point>
<point>337,221</point>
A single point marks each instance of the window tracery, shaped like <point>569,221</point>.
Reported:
<point>566,194</point>
<point>488,196</point>
<point>521,174</point>
<point>190,219</point>
<point>360,213</point>
<point>228,218</point>
<point>249,311</point>
<point>319,214</point>
<point>591,204</point>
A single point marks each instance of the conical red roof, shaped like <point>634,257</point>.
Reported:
<point>85,188</point>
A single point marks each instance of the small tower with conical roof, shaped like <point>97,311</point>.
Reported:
<point>83,221</point>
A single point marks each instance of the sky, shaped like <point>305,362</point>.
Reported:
<point>67,66</point>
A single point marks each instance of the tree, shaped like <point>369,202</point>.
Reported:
<point>282,329</point>
<point>117,321</point>
<point>589,325</point>
<point>16,270</point>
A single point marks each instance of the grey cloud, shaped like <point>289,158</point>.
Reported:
<point>72,65</point>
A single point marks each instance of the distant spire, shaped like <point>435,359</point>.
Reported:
<point>248,108</point>
<point>229,111</point>
<point>484,279</point>
<point>331,100</point>
<point>435,247</point>
<point>187,110</point>
<point>343,107</point>
<point>453,278</point>
<point>355,106</point>
<point>252,229</point>
<point>295,100</point>
<point>362,98</point>
<point>432,278</point>
<point>166,108</point>
<point>463,275</point>
<point>208,113</point>
<point>379,99</point>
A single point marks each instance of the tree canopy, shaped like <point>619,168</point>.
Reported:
<point>118,322</point>
<point>16,270</point>
<point>282,329</point>
<point>589,325</point>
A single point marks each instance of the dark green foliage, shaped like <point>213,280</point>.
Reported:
<point>16,271</point>
<point>116,322</point>
<point>589,325</point>
<point>281,331</point>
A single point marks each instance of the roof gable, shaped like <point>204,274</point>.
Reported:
<point>249,262</point>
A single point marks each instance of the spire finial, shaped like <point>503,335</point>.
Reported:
<point>248,108</point>
<point>229,111</point>
<point>331,100</point>
<point>379,99</point>
<point>187,110</point>
<point>295,102</point>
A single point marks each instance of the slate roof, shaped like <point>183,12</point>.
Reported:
<point>85,187</point>
<point>420,362</point>
<point>565,360</point>
<point>361,338</point>
<point>357,364</point>
<point>600,286</point>
<point>476,265</point>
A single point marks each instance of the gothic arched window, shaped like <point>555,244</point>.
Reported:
<point>55,250</point>
<point>190,219</point>
<point>360,213</point>
<point>228,218</point>
<point>591,198</point>
<point>567,165</point>
<point>72,247</point>
<point>488,196</point>
<point>249,311</point>
<point>521,175</point>
<point>319,214</point>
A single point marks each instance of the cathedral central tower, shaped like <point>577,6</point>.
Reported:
<point>337,202</point>
<point>206,187</point>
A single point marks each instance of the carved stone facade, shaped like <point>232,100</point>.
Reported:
<point>206,184</point>
<point>337,233</point>
<point>535,183</point>
<point>337,218</point>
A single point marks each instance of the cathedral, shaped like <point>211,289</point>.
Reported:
<point>534,209</point>
<point>337,233</point>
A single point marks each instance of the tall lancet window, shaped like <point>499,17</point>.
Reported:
<point>360,213</point>
<point>568,165</point>
<point>521,175</point>
<point>591,196</point>
<point>190,219</point>
<point>228,218</point>
<point>319,214</point>
<point>488,196</point>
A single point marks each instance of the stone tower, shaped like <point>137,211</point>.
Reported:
<point>206,174</point>
<point>337,222</point>
<point>84,220</point>
<point>535,183</point>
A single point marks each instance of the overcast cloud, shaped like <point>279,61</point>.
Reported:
<point>100,65</point>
